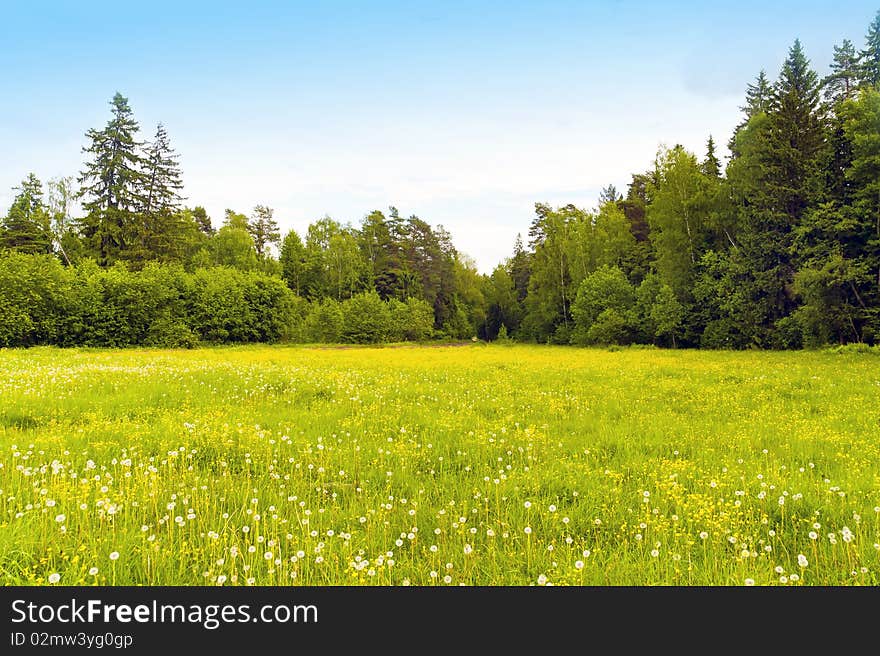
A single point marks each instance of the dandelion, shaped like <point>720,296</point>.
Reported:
<point>794,578</point>
<point>750,582</point>
<point>447,579</point>
<point>93,571</point>
<point>655,553</point>
<point>703,535</point>
<point>802,560</point>
<point>528,504</point>
<point>527,530</point>
<point>221,579</point>
<point>779,569</point>
<point>54,578</point>
<point>268,555</point>
<point>813,535</point>
<point>578,564</point>
<point>60,518</point>
<point>114,555</point>
<point>468,550</point>
<point>542,579</point>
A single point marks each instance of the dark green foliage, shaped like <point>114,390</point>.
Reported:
<point>869,64</point>
<point>162,178</point>
<point>780,248</point>
<point>26,227</point>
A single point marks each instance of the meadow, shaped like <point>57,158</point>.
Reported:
<point>445,465</point>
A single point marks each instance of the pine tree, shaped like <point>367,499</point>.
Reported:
<point>200,215</point>
<point>264,229</point>
<point>841,83</point>
<point>869,65</point>
<point>711,166</point>
<point>112,184</point>
<point>26,228</point>
<point>161,175</point>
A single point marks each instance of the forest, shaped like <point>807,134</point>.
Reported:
<point>778,247</point>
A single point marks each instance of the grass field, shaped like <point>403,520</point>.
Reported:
<point>485,465</point>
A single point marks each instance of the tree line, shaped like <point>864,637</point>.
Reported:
<point>777,248</point>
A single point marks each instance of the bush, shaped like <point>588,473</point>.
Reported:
<point>605,289</point>
<point>323,322</point>
<point>412,320</point>
<point>169,332</point>
<point>610,327</point>
<point>366,319</point>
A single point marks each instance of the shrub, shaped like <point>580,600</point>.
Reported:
<point>323,322</point>
<point>366,319</point>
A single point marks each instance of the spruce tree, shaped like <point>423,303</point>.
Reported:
<point>869,64</point>
<point>609,194</point>
<point>757,96</point>
<point>757,104</point>
<point>788,155</point>
<point>795,137</point>
<point>161,175</point>
<point>112,183</point>
<point>26,228</point>
<point>711,166</point>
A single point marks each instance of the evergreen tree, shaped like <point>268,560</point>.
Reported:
<point>869,64</point>
<point>520,269</point>
<point>161,175</point>
<point>264,229</point>
<point>112,183</point>
<point>757,96</point>
<point>757,104</point>
<point>203,220</point>
<point>841,83</point>
<point>26,228</point>
<point>293,262</point>
<point>711,166</point>
<point>609,195</point>
<point>795,137</point>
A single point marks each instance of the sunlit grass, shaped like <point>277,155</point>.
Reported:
<point>439,466</point>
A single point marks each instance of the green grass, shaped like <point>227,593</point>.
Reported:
<point>474,464</point>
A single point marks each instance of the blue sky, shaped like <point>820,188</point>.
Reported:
<point>463,113</point>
